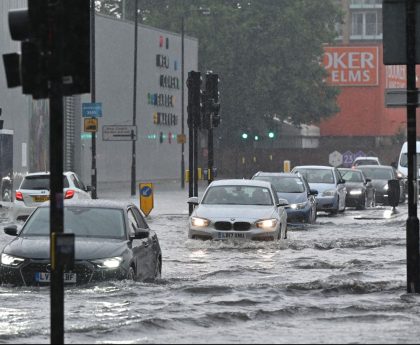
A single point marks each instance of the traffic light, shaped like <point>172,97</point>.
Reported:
<point>55,44</point>
<point>256,137</point>
<point>194,99</point>
<point>244,135</point>
<point>271,134</point>
<point>211,117</point>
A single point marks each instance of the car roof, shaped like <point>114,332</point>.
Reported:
<point>279,174</point>
<point>368,157</point>
<point>240,182</point>
<point>313,167</point>
<point>46,173</point>
<point>361,167</point>
<point>101,203</point>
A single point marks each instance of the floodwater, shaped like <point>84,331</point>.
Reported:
<point>342,280</point>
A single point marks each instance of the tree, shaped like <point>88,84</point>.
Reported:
<point>268,54</point>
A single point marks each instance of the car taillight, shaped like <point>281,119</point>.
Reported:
<point>69,194</point>
<point>19,196</point>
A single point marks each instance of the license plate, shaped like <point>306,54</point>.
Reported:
<point>222,235</point>
<point>40,198</point>
<point>44,277</point>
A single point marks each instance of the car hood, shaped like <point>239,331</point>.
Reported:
<point>239,212</point>
<point>293,198</point>
<point>378,184</point>
<point>354,185</point>
<point>38,247</point>
<point>322,187</point>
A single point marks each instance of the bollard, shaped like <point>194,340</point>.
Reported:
<point>286,166</point>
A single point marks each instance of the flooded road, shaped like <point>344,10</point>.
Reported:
<point>342,280</point>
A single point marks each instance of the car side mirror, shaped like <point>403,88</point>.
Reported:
<point>341,181</point>
<point>11,230</point>
<point>313,192</point>
<point>141,234</point>
<point>88,188</point>
<point>282,203</point>
<point>368,180</point>
<point>193,200</point>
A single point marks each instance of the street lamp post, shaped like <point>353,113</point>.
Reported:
<point>133,141</point>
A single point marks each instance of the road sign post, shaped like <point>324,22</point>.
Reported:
<point>146,197</point>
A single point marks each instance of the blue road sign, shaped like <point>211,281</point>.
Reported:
<point>146,191</point>
<point>92,109</point>
<point>348,158</point>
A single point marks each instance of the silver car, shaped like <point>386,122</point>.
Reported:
<point>238,209</point>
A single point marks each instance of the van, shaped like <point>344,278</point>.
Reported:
<point>403,158</point>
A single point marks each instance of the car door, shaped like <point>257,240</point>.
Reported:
<point>143,255</point>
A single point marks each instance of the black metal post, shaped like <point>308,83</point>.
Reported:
<point>133,157</point>
<point>190,155</point>
<point>94,178</point>
<point>413,278</point>
<point>195,159</point>
<point>56,177</point>
<point>182,103</point>
<point>210,154</point>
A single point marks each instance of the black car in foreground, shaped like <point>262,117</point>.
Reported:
<point>112,241</point>
<point>360,190</point>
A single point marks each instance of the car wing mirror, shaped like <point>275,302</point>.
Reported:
<point>282,203</point>
<point>341,181</point>
<point>141,234</point>
<point>11,230</point>
<point>88,188</point>
<point>368,180</point>
<point>313,192</point>
<point>193,200</point>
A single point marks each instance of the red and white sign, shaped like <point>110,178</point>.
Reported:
<point>395,77</point>
<point>352,66</point>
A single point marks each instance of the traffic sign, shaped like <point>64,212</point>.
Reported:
<point>146,197</point>
<point>92,109</point>
<point>91,125</point>
<point>119,132</point>
<point>335,159</point>
<point>395,98</point>
<point>348,158</point>
<point>181,138</point>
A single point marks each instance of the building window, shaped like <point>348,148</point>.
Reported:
<point>366,25</point>
<point>365,4</point>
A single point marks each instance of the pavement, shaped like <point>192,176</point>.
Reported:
<point>168,196</point>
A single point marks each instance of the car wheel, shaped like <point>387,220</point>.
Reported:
<point>131,274</point>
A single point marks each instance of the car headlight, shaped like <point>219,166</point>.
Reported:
<point>9,260</point>
<point>266,223</point>
<point>299,206</point>
<point>110,263</point>
<point>356,192</point>
<point>199,222</point>
<point>330,192</point>
<point>386,187</point>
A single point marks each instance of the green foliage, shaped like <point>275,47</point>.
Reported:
<point>268,54</point>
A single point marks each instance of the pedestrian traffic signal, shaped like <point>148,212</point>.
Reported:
<point>55,44</point>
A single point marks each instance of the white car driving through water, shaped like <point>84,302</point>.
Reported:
<point>238,209</point>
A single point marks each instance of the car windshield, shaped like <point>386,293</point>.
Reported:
<point>318,175</point>
<point>284,184</point>
<point>40,182</point>
<point>351,176</point>
<point>238,195</point>
<point>378,174</point>
<point>82,221</point>
<point>404,160</point>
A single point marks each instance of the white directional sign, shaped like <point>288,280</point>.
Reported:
<point>119,132</point>
<point>335,159</point>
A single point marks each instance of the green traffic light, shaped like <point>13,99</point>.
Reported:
<point>244,136</point>
<point>256,138</point>
<point>271,135</point>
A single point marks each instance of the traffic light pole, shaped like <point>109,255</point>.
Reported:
<point>412,231</point>
<point>210,154</point>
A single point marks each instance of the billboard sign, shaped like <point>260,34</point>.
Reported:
<point>352,66</point>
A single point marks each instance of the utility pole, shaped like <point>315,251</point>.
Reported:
<point>182,99</point>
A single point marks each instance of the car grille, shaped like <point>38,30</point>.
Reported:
<point>228,226</point>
